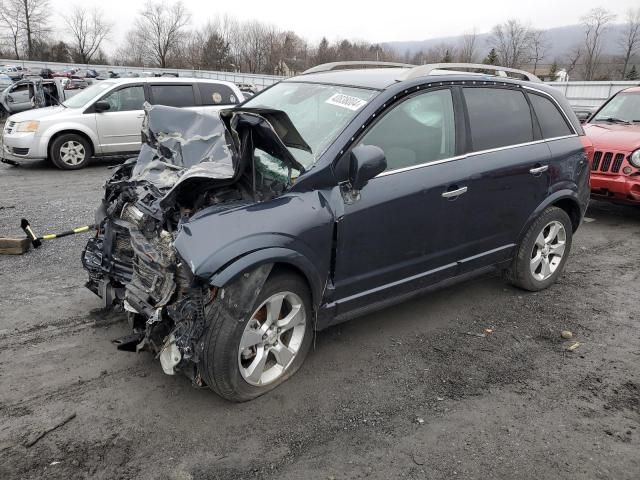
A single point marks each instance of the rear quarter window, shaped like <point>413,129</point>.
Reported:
<point>173,95</point>
<point>552,122</point>
<point>498,117</point>
<point>216,94</point>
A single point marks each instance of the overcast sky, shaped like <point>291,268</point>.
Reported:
<point>370,20</point>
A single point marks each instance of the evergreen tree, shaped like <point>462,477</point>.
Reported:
<point>215,53</point>
<point>447,57</point>
<point>553,71</point>
<point>632,74</point>
<point>492,58</point>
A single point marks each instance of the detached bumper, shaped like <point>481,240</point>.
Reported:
<point>620,188</point>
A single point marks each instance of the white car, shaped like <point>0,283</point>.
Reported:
<point>106,118</point>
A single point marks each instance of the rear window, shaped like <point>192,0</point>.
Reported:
<point>498,117</point>
<point>173,95</point>
<point>216,94</point>
<point>551,121</point>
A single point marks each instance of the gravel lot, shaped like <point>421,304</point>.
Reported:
<point>419,390</point>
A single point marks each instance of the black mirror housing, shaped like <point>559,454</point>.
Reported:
<point>101,106</point>
<point>367,161</point>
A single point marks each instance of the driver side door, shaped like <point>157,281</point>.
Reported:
<point>406,230</point>
<point>119,127</point>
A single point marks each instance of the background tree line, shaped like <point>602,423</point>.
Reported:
<point>163,35</point>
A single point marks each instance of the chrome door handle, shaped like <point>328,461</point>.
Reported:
<point>140,116</point>
<point>454,193</point>
<point>536,171</point>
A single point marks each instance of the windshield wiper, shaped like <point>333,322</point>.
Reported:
<point>613,120</point>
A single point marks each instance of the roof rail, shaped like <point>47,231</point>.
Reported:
<point>326,67</point>
<point>449,69</point>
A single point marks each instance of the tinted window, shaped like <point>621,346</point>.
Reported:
<point>216,94</point>
<point>126,99</point>
<point>419,130</point>
<point>550,119</point>
<point>498,117</point>
<point>173,95</point>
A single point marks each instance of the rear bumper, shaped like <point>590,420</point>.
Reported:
<point>620,188</point>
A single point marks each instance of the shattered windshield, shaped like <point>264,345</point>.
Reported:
<point>81,99</point>
<point>624,107</point>
<point>318,112</point>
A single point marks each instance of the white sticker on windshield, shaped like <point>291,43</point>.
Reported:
<point>346,101</point>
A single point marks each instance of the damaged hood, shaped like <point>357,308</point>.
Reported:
<point>184,148</point>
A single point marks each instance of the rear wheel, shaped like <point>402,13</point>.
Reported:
<point>543,252</point>
<point>247,358</point>
<point>70,152</point>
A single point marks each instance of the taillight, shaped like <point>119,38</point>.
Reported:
<point>588,151</point>
<point>588,148</point>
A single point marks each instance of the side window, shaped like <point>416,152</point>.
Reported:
<point>126,99</point>
<point>419,130</point>
<point>173,95</point>
<point>498,117</point>
<point>216,94</point>
<point>551,121</point>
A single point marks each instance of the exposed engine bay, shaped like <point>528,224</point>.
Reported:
<point>189,162</point>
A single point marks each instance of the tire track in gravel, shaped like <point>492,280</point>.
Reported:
<point>41,332</point>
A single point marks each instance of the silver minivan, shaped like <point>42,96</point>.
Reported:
<point>106,118</point>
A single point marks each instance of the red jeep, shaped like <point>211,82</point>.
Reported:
<point>615,132</point>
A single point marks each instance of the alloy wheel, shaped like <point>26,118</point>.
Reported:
<point>272,338</point>
<point>548,250</point>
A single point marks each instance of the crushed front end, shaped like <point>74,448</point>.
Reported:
<point>188,162</point>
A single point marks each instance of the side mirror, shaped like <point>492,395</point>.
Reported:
<point>367,161</point>
<point>101,106</point>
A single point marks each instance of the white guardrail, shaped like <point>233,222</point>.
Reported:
<point>258,80</point>
<point>591,94</point>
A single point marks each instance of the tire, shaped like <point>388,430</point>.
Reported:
<point>232,371</point>
<point>540,259</point>
<point>70,152</point>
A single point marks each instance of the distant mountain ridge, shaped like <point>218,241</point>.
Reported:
<point>560,39</point>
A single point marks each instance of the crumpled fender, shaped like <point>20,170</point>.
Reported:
<point>296,228</point>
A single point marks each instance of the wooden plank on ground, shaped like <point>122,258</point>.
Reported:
<point>14,246</point>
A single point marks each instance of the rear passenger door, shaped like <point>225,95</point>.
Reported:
<point>508,171</point>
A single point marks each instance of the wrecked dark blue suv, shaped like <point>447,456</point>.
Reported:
<point>231,238</point>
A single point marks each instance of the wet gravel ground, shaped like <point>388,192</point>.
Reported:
<point>473,381</point>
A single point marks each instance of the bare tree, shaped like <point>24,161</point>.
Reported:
<point>27,21</point>
<point>595,24</point>
<point>468,47</point>
<point>10,15</point>
<point>160,30</point>
<point>88,30</point>
<point>573,57</point>
<point>512,41</point>
<point>630,39</point>
<point>539,47</point>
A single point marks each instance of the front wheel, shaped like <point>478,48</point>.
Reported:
<point>543,252</point>
<point>70,152</point>
<point>246,358</point>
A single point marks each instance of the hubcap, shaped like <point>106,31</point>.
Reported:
<point>72,152</point>
<point>272,338</point>
<point>548,250</point>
